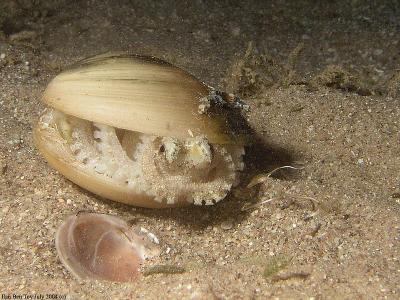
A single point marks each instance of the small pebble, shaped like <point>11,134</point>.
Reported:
<point>226,225</point>
<point>5,209</point>
<point>236,31</point>
<point>40,217</point>
<point>23,36</point>
<point>3,168</point>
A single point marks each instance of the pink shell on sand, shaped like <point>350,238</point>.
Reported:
<point>103,247</point>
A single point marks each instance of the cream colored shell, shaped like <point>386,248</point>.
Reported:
<point>140,131</point>
<point>141,94</point>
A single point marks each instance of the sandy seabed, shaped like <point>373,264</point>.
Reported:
<point>322,82</point>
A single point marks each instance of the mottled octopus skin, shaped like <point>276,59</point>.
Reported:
<point>130,167</point>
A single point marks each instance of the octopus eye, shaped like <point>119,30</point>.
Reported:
<point>198,151</point>
<point>171,148</point>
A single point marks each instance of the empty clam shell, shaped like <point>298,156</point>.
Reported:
<point>103,247</point>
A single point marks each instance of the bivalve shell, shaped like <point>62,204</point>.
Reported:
<point>141,131</point>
